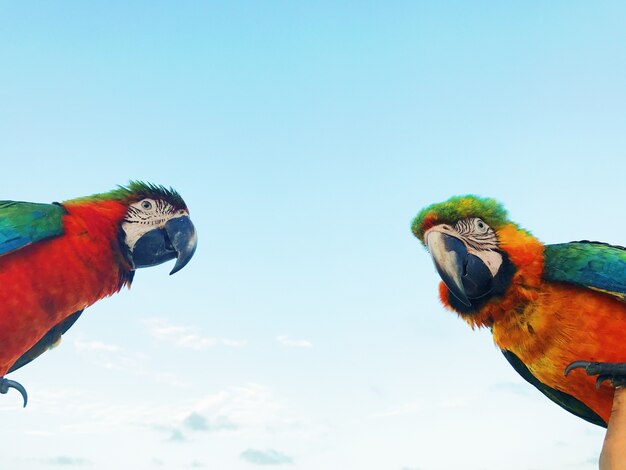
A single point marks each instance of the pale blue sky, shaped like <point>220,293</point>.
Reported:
<point>304,136</point>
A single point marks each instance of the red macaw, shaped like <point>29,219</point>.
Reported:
<point>57,259</point>
<point>552,309</point>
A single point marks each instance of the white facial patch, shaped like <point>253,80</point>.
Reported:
<point>145,215</point>
<point>481,241</point>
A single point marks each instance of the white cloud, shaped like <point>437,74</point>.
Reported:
<point>186,337</point>
<point>115,358</point>
<point>293,343</point>
<point>265,457</point>
<point>246,406</point>
<point>95,346</point>
<point>65,460</point>
<point>83,412</point>
<point>197,422</point>
<point>249,410</point>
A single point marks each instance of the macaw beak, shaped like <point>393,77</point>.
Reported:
<point>449,254</point>
<point>176,240</point>
<point>465,275</point>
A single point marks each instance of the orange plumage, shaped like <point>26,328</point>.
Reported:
<point>548,306</point>
<point>549,325</point>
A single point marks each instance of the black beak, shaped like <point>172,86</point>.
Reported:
<point>465,275</point>
<point>177,239</point>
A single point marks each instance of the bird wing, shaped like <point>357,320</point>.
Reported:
<point>562,399</point>
<point>48,341</point>
<point>594,265</point>
<point>23,223</point>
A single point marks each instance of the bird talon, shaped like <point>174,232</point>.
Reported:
<point>6,384</point>
<point>614,372</point>
<point>577,365</point>
<point>618,381</point>
<point>602,378</point>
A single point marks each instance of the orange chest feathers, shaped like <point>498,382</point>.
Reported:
<point>561,325</point>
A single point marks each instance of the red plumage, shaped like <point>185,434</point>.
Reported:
<point>44,283</point>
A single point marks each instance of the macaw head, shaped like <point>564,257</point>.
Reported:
<point>151,223</point>
<point>477,251</point>
<point>156,227</point>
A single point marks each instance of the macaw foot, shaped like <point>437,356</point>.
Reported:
<point>615,372</point>
<point>6,384</point>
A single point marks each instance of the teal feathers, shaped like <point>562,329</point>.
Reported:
<point>594,265</point>
<point>23,223</point>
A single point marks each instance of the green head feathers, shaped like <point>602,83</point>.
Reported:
<point>459,207</point>
<point>138,190</point>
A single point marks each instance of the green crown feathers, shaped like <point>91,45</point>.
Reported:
<point>457,208</point>
<point>138,190</point>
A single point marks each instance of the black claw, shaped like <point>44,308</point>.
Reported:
<point>602,378</point>
<point>618,381</point>
<point>577,365</point>
<point>615,372</point>
<point>6,384</point>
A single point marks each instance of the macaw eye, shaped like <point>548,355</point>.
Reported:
<point>481,226</point>
<point>146,204</point>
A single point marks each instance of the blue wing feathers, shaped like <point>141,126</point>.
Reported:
<point>594,265</point>
<point>23,223</point>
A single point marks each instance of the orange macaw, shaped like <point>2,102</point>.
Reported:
<point>557,312</point>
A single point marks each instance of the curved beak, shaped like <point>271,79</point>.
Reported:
<point>176,240</point>
<point>182,235</point>
<point>449,255</point>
